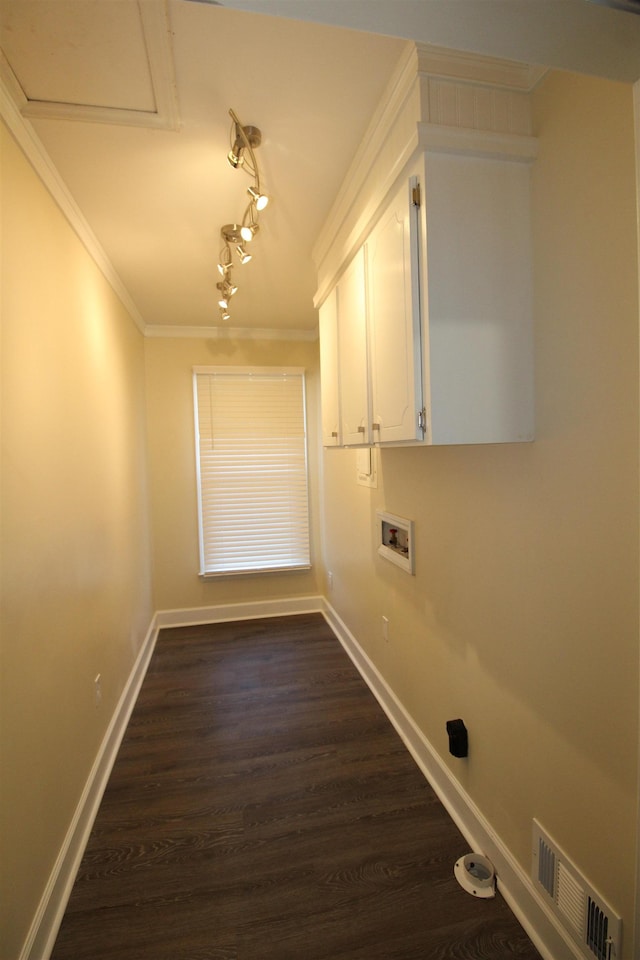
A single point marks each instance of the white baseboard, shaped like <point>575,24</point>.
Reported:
<point>514,884</point>
<point>46,923</point>
<point>239,611</point>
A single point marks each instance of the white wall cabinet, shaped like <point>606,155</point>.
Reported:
<point>328,329</point>
<point>393,302</point>
<point>478,323</point>
<point>353,372</point>
<point>448,288</point>
<point>370,349</point>
<point>434,312</point>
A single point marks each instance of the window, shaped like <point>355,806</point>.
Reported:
<point>251,454</point>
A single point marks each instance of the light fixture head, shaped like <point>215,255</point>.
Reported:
<point>225,262</point>
<point>260,199</point>
<point>242,253</point>
<point>227,288</point>
<point>249,226</point>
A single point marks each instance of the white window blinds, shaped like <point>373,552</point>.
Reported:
<point>252,469</point>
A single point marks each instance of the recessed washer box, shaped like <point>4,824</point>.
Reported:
<point>395,540</point>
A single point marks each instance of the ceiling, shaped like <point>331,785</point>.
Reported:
<point>130,99</point>
<point>600,37</point>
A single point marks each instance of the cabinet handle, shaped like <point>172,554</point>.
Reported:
<point>375,426</point>
<point>334,433</point>
<point>360,429</point>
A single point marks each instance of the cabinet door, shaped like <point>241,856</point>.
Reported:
<point>480,299</point>
<point>394,321</point>
<point>330,400</point>
<point>352,354</point>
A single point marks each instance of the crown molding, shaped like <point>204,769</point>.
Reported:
<point>35,152</point>
<point>475,68</point>
<point>177,332</point>
<point>390,105</point>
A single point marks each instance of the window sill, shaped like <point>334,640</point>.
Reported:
<point>259,571</point>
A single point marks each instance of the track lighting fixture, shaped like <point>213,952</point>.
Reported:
<point>234,236</point>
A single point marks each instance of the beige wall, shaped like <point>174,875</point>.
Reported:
<point>522,617</point>
<point>173,471</point>
<point>76,592</point>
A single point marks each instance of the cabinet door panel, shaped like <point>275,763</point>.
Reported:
<point>352,353</point>
<point>480,299</point>
<point>394,322</point>
<point>328,324</point>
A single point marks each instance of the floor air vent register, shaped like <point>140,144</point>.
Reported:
<point>594,926</point>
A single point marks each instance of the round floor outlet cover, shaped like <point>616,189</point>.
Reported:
<point>476,875</point>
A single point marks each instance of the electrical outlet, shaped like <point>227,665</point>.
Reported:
<point>330,580</point>
<point>385,629</point>
<point>97,686</point>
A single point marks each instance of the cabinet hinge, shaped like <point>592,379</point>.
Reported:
<point>415,195</point>
<point>422,420</point>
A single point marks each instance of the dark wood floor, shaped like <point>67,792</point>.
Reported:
<point>262,807</point>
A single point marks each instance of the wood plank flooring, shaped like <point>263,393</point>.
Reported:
<point>262,807</point>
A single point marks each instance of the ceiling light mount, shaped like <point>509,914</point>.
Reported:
<point>244,140</point>
<point>230,233</point>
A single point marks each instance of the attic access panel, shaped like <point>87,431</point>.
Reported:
<point>58,60</point>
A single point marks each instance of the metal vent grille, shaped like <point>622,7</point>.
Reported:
<point>584,913</point>
<point>597,930</point>
<point>546,867</point>
<point>570,898</point>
